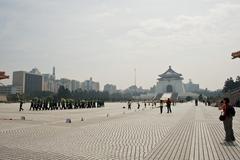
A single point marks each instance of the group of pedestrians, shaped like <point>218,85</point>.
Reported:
<point>168,104</point>
<point>64,104</point>
<point>228,112</point>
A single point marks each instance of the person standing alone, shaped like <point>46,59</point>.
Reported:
<point>161,106</point>
<point>169,106</point>
<point>228,118</point>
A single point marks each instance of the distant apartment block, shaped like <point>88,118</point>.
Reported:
<point>19,81</point>
<point>49,81</point>
<point>33,83</point>
<point>28,82</point>
<point>191,87</point>
<point>134,89</point>
<point>66,83</point>
<point>75,85</point>
<point>90,85</point>
<point>110,88</point>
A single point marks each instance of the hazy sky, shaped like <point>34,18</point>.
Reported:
<point>107,39</point>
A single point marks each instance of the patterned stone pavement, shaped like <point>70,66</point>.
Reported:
<point>188,133</point>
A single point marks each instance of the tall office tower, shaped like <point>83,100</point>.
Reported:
<point>18,81</point>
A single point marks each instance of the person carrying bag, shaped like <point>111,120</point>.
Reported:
<point>227,118</point>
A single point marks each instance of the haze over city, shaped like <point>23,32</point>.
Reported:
<point>107,39</point>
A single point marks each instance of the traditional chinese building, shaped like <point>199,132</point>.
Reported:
<point>236,55</point>
<point>170,82</point>
<point>3,76</point>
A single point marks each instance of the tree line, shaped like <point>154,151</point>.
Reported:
<point>231,84</point>
<point>79,94</point>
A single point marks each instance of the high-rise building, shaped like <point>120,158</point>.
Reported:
<point>66,83</point>
<point>33,83</point>
<point>191,87</point>
<point>89,85</point>
<point>48,82</point>
<point>35,71</point>
<point>28,82</point>
<point>75,85</point>
<point>18,81</point>
<point>71,85</point>
<point>57,84</point>
<point>54,72</point>
<point>110,88</point>
<point>95,86</point>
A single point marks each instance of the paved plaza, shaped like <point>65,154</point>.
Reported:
<point>189,133</point>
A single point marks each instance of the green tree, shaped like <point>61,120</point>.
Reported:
<point>200,97</point>
<point>237,82</point>
<point>229,85</point>
<point>63,93</point>
<point>188,98</point>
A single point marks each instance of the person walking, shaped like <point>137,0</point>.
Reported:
<point>129,105</point>
<point>228,118</point>
<point>169,106</point>
<point>161,106</point>
<point>138,106</point>
<point>31,105</point>
<point>20,106</point>
<point>196,102</point>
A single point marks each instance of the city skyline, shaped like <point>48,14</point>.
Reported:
<point>49,76</point>
<point>107,39</point>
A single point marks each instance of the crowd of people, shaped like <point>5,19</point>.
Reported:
<point>40,104</point>
<point>228,111</point>
<point>154,104</point>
